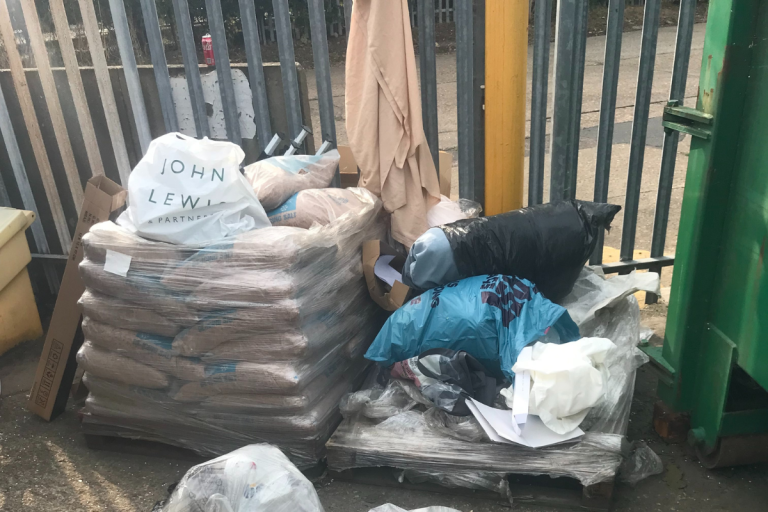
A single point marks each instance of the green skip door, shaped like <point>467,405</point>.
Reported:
<point>716,344</point>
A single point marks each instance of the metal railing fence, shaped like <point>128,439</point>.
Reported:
<point>469,18</point>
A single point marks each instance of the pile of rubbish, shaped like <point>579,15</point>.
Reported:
<point>517,359</point>
<point>254,337</point>
<point>412,415</point>
<point>226,308</point>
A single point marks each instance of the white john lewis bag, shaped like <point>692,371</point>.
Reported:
<point>187,191</point>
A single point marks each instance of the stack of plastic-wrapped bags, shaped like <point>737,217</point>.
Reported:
<point>254,337</point>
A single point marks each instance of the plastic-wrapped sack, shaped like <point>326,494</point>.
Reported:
<point>110,365</point>
<point>143,289</point>
<point>491,317</point>
<point>152,350</point>
<point>258,319</point>
<point>185,190</point>
<point>123,314</point>
<point>260,404</point>
<point>277,178</point>
<point>547,244</point>
<point>446,378</point>
<point>254,478</point>
<point>568,379</point>
<point>253,376</point>
<point>321,206</point>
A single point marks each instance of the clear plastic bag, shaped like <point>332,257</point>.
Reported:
<point>254,338</point>
<point>460,427</point>
<point>319,206</point>
<point>641,463</point>
<point>254,478</point>
<point>593,291</point>
<point>388,507</point>
<point>376,402</point>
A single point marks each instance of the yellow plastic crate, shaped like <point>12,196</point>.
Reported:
<point>19,319</point>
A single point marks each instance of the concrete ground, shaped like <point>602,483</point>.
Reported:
<point>47,466</point>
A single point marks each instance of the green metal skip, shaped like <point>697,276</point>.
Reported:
<point>714,361</point>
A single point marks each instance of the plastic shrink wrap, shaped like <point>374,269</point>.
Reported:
<point>394,426</point>
<point>250,339</point>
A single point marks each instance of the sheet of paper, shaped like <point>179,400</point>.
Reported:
<point>385,272</point>
<point>117,263</point>
<point>492,435</point>
<point>498,424</point>
<point>538,435</point>
<point>522,391</point>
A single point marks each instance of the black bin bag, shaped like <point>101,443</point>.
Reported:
<point>547,244</point>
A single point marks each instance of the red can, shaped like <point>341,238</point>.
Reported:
<point>208,50</point>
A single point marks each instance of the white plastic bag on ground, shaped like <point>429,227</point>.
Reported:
<point>187,191</point>
<point>276,179</point>
<point>568,380</point>
<point>388,507</point>
<point>255,478</point>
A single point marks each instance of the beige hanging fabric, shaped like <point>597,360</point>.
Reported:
<point>383,110</point>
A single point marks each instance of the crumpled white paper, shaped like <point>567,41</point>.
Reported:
<point>568,379</point>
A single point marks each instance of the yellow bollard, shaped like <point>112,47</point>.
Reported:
<point>506,53</point>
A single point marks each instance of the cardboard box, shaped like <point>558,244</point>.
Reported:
<point>57,365</point>
<point>349,177</point>
<point>347,167</point>
<point>394,298</point>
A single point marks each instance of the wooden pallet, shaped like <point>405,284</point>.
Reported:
<point>161,450</point>
<point>528,489</point>
<point>142,448</point>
